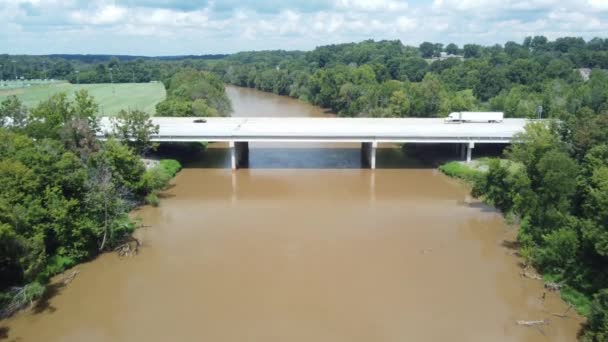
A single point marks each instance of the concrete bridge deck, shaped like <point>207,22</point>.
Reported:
<point>368,131</point>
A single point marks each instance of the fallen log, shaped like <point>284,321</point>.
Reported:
<point>563,315</point>
<point>128,248</point>
<point>553,286</point>
<point>531,275</point>
<point>68,279</point>
<point>533,323</point>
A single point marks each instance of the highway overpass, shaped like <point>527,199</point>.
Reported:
<point>239,132</point>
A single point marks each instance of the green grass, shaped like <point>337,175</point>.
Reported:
<point>580,301</point>
<point>110,97</point>
<point>461,170</point>
<point>476,168</point>
<point>170,166</point>
<point>158,178</point>
<point>152,199</point>
<point>55,265</point>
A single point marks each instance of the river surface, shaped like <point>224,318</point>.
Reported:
<point>304,246</point>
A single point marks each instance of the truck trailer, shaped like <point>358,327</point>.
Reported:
<point>475,117</point>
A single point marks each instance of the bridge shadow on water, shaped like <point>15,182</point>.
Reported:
<point>389,156</point>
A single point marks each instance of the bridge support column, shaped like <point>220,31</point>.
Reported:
<point>239,154</point>
<point>368,154</point>
<point>470,148</point>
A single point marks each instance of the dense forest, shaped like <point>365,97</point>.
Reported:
<point>194,93</point>
<point>537,77</point>
<point>65,195</point>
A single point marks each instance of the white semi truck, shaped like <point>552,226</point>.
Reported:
<point>475,117</point>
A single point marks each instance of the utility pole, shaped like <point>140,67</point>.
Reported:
<point>111,80</point>
<point>15,68</point>
<point>133,76</point>
<point>77,77</point>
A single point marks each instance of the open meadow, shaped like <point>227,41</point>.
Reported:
<point>110,97</point>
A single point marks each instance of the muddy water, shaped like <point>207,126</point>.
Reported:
<point>286,251</point>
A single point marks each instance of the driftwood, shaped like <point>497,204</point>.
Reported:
<point>19,301</point>
<point>529,275</point>
<point>129,248</point>
<point>533,323</point>
<point>553,286</point>
<point>68,279</point>
<point>563,315</point>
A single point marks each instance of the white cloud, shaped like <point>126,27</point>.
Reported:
<point>139,27</point>
<point>599,4</point>
<point>405,24</point>
<point>102,16</point>
<point>501,5</point>
<point>372,5</point>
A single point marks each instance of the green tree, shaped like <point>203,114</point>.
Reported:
<point>135,128</point>
<point>472,51</point>
<point>598,319</point>
<point>427,49</point>
<point>12,113</point>
<point>452,49</point>
<point>174,107</point>
<point>399,104</point>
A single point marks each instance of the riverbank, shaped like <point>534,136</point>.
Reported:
<point>157,176</point>
<point>473,174</point>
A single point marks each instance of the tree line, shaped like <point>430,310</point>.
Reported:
<point>94,68</point>
<point>386,78</point>
<point>66,196</point>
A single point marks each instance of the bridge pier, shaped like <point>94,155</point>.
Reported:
<point>239,154</point>
<point>470,147</point>
<point>368,154</point>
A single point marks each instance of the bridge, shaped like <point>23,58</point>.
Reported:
<point>239,132</point>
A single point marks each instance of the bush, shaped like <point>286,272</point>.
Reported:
<point>158,177</point>
<point>598,318</point>
<point>55,265</point>
<point>152,199</point>
<point>462,171</point>
<point>558,251</point>
<point>171,166</point>
<point>580,301</point>
<point>18,297</point>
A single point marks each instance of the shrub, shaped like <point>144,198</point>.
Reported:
<point>580,301</point>
<point>158,177</point>
<point>56,264</point>
<point>171,166</point>
<point>152,199</point>
<point>462,171</point>
<point>598,318</point>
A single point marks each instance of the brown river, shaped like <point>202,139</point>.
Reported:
<point>304,245</point>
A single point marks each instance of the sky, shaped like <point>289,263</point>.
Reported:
<point>179,27</point>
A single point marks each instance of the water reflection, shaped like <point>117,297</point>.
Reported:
<point>305,158</point>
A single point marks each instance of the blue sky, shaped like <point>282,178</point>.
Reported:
<point>168,27</point>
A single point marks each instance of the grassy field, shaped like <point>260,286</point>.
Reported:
<point>110,97</point>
